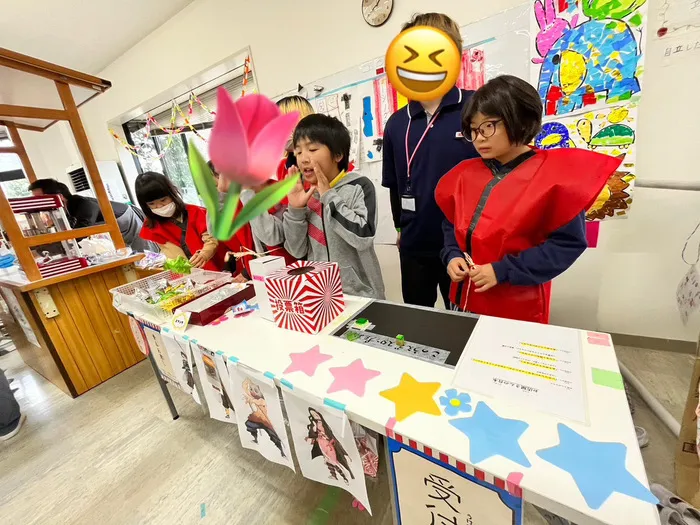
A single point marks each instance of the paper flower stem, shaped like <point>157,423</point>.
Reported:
<point>263,201</point>
<point>204,181</point>
<point>228,212</point>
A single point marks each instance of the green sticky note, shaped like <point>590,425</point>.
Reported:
<point>607,378</point>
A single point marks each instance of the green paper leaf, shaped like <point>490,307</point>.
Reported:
<point>262,202</point>
<point>225,219</point>
<point>204,182</point>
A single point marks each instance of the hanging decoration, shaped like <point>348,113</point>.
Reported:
<point>171,129</point>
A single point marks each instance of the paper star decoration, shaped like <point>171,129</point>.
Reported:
<point>411,396</point>
<point>353,377</point>
<point>491,435</point>
<point>598,468</point>
<point>307,362</point>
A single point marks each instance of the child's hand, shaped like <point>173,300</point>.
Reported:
<point>198,260</point>
<point>298,198</point>
<point>321,180</point>
<point>483,277</point>
<point>457,269</point>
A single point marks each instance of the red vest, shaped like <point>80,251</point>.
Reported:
<point>537,198</point>
<point>167,231</point>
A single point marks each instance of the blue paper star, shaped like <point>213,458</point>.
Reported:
<point>491,435</point>
<point>598,468</point>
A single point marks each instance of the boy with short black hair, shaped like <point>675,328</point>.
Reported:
<point>333,216</point>
<point>422,142</point>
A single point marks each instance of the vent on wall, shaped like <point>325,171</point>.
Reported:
<point>79,180</point>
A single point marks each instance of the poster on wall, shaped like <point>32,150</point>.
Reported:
<point>609,130</point>
<point>160,354</point>
<point>214,378</point>
<point>325,446</point>
<point>259,416</point>
<point>181,359</point>
<point>429,491</point>
<point>587,63</point>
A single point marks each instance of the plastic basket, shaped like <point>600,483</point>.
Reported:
<point>124,300</point>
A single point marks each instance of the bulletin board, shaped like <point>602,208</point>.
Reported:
<point>362,98</point>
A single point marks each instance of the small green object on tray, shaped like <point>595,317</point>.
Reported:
<point>179,265</point>
<point>361,321</point>
<point>400,340</point>
<point>352,336</point>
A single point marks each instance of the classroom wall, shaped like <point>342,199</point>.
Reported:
<point>626,285</point>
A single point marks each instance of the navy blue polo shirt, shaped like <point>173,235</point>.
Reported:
<point>441,150</point>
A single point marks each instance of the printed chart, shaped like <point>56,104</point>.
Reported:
<point>540,367</point>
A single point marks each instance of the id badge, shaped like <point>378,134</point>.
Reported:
<point>408,203</point>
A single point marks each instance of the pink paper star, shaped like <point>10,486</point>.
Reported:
<point>307,362</point>
<point>353,377</point>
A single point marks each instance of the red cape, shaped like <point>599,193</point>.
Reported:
<point>537,198</point>
<point>167,231</point>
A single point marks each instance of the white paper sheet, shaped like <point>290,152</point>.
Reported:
<point>325,446</point>
<point>538,366</point>
<point>181,359</point>
<point>214,385</point>
<point>160,354</point>
<point>258,411</point>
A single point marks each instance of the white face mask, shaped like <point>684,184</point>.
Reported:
<point>165,211</point>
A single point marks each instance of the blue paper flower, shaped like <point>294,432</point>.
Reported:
<point>455,402</point>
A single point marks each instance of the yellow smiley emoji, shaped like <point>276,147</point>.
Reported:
<point>423,63</point>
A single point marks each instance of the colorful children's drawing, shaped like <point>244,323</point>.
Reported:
<point>551,28</point>
<point>611,131</point>
<point>473,73</point>
<point>588,52</point>
<point>599,58</point>
<point>325,446</point>
<point>214,379</point>
<point>259,415</point>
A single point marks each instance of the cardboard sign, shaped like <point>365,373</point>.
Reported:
<point>427,490</point>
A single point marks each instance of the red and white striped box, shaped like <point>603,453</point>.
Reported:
<point>305,296</point>
<point>61,266</point>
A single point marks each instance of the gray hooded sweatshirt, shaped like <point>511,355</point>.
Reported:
<point>348,219</point>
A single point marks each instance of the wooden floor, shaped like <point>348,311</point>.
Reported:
<point>114,456</point>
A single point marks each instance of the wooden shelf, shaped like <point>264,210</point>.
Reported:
<point>27,286</point>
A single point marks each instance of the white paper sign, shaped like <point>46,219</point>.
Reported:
<point>181,359</point>
<point>160,354</point>
<point>325,447</point>
<point>214,385</point>
<point>534,365</point>
<point>429,492</point>
<point>259,415</point>
<point>688,293</point>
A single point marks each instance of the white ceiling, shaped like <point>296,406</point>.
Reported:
<point>86,35</point>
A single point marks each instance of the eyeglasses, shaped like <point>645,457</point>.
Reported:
<point>486,129</point>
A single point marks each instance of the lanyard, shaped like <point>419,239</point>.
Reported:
<point>409,160</point>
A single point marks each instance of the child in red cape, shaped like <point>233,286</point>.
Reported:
<point>179,229</point>
<point>515,217</point>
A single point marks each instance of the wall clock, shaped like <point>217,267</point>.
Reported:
<point>377,12</point>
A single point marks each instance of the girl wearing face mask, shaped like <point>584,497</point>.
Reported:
<point>179,229</point>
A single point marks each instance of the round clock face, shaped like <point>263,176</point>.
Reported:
<point>376,12</point>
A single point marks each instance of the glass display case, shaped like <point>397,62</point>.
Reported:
<point>43,215</point>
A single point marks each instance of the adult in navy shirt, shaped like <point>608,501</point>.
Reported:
<point>417,217</point>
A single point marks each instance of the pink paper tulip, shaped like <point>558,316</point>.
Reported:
<point>248,138</point>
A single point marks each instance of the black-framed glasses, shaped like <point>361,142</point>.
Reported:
<point>486,129</point>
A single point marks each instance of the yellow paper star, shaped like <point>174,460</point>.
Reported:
<point>411,396</point>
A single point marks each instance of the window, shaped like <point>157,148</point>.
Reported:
<point>12,178</point>
<point>168,154</point>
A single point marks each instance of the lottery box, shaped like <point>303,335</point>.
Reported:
<point>305,296</point>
